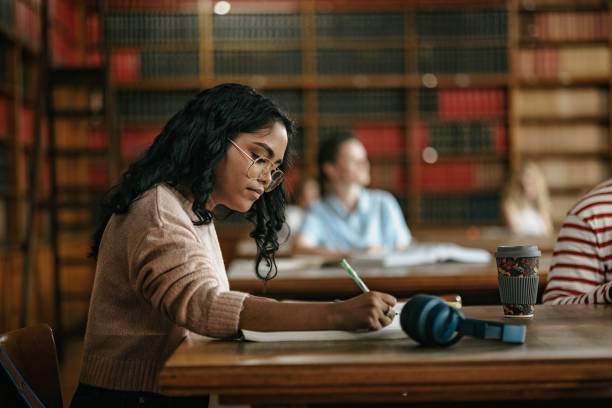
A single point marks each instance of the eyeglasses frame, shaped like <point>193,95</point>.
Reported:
<point>274,169</point>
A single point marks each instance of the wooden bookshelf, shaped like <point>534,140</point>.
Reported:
<point>410,78</point>
<point>448,96</point>
<point>562,108</point>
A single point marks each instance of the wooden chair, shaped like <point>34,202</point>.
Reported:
<point>32,352</point>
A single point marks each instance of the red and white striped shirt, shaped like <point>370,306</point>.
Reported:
<point>581,267</point>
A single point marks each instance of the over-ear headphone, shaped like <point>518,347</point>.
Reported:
<point>430,321</point>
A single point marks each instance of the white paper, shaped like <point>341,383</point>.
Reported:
<point>392,331</point>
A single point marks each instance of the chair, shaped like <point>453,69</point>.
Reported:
<point>32,352</point>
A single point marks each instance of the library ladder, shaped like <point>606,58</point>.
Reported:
<point>83,158</point>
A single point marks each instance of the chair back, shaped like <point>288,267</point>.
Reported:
<point>32,352</point>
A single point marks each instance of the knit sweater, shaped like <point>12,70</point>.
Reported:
<point>158,277</point>
<point>581,267</point>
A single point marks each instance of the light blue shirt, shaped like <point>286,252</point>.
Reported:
<point>376,220</point>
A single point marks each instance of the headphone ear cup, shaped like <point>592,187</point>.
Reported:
<point>409,317</point>
<point>430,321</point>
<point>413,318</point>
<point>442,322</point>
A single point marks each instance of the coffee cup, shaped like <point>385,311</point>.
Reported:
<point>517,277</point>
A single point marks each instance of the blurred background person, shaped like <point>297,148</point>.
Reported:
<point>526,202</point>
<point>349,218</point>
<point>306,192</point>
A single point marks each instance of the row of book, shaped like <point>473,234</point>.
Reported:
<point>155,26</point>
<point>462,59</point>
<point>568,138</point>
<point>245,62</point>
<point>462,103</point>
<point>156,106</point>
<point>7,14</point>
<point>566,62</point>
<point>236,26</point>
<point>475,208</point>
<point>563,102</point>
<point>388,176</point>
<point>82,171</point>
<point>487,23</point>
<point>23,16</point>
<point>134,141</point>
<point>351,62</point>
<point>150,27</point>
<point>361,101</point>
<point>461,175</point>
<point>360,25</point>
<point>131,65</point>
<point>159,106</point>
<point>579,173</point>
<point>565,26</point>
<point>381,138</point>
<point>464,137</point>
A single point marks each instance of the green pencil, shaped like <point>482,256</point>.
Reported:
<point>353,274</point>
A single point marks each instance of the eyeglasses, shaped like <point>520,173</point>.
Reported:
<point>260,167</point>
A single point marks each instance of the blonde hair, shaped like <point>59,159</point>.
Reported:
<point>514,191</point>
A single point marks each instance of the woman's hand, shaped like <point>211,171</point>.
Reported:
<point>368,311</point>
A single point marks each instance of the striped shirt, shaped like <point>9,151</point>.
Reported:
<point>580,270</point>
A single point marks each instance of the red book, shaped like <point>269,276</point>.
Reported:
<point>4,118</point>
<point>93,28</point>
<point>501,139</point>
<point>26,126</point>
<point>135,141</point>
<point>421,131</point>
<point>97,138</point>
<point>447,176</point>
<point>380,138</point>
<point>98,172</point>
<point>125,65</point>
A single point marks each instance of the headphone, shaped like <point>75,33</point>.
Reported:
<point>430,321</point>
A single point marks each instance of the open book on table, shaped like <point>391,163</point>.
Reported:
<point>422,253</point>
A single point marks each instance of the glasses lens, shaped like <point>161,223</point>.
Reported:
<point>277,178</point>
<point>258,168</point>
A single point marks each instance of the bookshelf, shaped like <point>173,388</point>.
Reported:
<point>406,77</point>
<point>20,49</point>
<point>562,71</point>
<point>447,96</point>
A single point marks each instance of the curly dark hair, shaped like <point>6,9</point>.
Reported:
<point>186,152</point>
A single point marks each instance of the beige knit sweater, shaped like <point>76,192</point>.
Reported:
<point>157,277</point>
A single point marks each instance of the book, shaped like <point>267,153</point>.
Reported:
<point>419,254</point>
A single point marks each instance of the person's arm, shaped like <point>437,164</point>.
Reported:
<point>366,311</point>
<point>577,272</point>
<point>302,245</point>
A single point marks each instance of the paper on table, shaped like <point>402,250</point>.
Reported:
<point>392,331</point>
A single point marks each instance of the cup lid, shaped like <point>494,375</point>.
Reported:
<point>518,251</point>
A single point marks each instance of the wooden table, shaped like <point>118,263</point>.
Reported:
<point>476,283</point>
<point>567,354</point>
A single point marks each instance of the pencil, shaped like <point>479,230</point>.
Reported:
<point>353,274</point>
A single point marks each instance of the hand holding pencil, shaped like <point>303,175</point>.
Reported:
<point>372,308</point>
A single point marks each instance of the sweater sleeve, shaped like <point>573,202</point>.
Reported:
<point>174,272</point>
<point>577,271</point>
